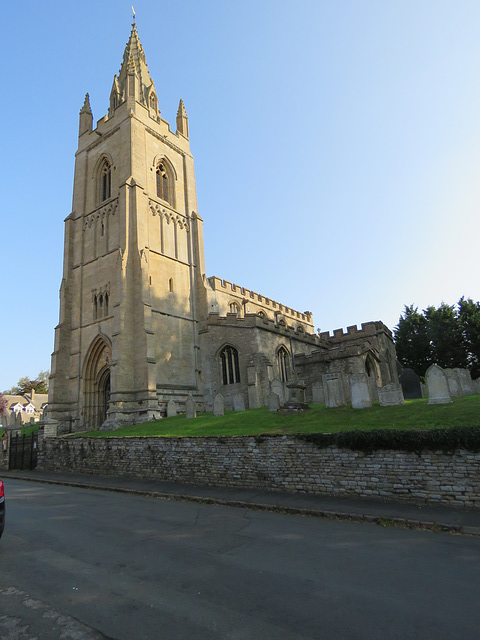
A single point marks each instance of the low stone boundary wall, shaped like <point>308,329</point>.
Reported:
<point>278,463</point>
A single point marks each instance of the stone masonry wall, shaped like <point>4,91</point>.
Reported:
<point>278,463</point>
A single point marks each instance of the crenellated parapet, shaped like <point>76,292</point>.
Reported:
<point>369,329</point>
<point>252,320</point>
<point>258,302</point>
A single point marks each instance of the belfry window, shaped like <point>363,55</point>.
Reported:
<point>230,366</point>
<point>105,180</point>
<point>283,362</point>
<point>163,183</point>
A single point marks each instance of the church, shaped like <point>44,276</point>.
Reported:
<point>140,322</point>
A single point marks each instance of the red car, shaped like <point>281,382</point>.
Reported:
<point>2,508</point>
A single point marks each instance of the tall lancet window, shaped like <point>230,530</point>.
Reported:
<point>163,183</point>
<point>105,180</point>
<point>229,365</point>
<point>283,362</point>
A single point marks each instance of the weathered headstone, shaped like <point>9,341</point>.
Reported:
<point>4,422</point>
<point>273,402</point>
<point>476,385</point>
<point>218,406</point>
<point>360,391</point>
<point>390,395</point>
<point>318,396</point>
<point>238,402</point>
<point>171,408</point>
<point>190,408</point>
<point>334,390</point>
<point>278,388</point>
<point>465,381</point>
<point>410,382</point>
<point>453,382</point>
<point>437,385</point>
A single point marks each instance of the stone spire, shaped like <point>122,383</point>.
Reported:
<point>86,117</point>
<point>182,119</point>
<point>133,80</point>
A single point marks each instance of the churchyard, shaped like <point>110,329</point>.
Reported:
<point>414,414</point>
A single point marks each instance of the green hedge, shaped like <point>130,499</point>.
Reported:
<point>445,440</point>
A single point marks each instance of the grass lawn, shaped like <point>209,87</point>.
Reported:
<point>414,414</point>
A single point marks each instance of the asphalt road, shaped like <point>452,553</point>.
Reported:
<point>85,565</point>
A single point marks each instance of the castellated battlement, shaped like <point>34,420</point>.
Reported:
<point>251,320</point>
<point>368,329</point>
<point>218,284</point>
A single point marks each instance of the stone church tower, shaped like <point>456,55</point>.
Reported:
<point>133,262</point>
<point>140,323</point>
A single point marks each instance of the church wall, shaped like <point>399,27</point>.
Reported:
<point>174,350</point>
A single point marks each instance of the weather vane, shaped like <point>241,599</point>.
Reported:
<point>133,11</point>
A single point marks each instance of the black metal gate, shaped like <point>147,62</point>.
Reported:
<point>23,452</point>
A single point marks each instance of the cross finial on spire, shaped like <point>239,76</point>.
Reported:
<point>133,11</point>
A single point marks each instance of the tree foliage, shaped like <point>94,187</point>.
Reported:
<point>446,335</point>
<point>25,384</point>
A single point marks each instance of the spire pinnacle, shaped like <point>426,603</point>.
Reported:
<point>86,105</point>
<point>134,70</point>
<point>86,117</point>
<point>182,119</point>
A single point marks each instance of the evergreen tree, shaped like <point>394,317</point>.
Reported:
<point>412,341</point>
<point>469,320</point>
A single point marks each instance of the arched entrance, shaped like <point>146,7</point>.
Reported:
<point>96,383</point>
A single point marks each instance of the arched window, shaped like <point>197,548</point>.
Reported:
<point>170,285</point>
<point>105,180</point>
<point>261,314</point>
<point>95,307</point>
<point>153,102</point>
<point>283,363</point>
<point>233,307</point>
<point>105,303</point>
<point>163,183</point>
<point>229,365</point>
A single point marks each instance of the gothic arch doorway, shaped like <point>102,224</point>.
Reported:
<point>96,383</point>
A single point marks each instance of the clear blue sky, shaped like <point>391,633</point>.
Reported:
<point>336,145</point>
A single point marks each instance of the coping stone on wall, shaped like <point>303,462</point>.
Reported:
<point>218,406</point>
<point>360,392</point>
<point>437,384</point>
<point>390,395</point>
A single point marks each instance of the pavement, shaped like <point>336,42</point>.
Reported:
<point>378,511</point>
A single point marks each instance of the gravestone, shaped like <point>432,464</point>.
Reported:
<point>453,382</point>
<point>476,385</point>
<point>334,390</point>
<point>218,406</point>
<point>277,387</point>
<point>171,409</point>
<point>5,422</point>
<point>391,395</point>
<point>238,402</point>
<point>465,381</point>
<point>273,402</point>
<point>360,391</point>
<point>411,386</point>
<point>437,385</point>
<point>318,397</point>
<point>190,408</point>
